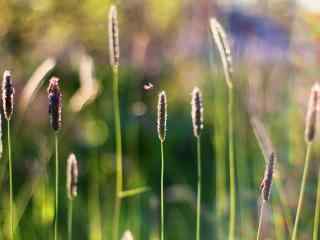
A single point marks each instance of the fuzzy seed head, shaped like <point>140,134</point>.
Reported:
<point>55,103</point>
<point>313,109</point>
<point>72,176</point>
<point>267,180</point>
<point>162,116</point>
<point>197,112</point>
<point>7,94</point>
<point>114,49</point>
<point>220,38</point>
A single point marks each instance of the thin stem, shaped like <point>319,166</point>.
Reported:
<point>10,180</point>
<point>133,192</point>
<point>56,188</point>
<point>162,192</point>
<point>231,167</point>
<point>260,220</point>
<point>116,109</point>
<point>70,209</point>
<point>199,188</point>
<point>317,212</point>
<point>302,190</point>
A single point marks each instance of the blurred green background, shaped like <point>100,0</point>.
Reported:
<point>167,43</point>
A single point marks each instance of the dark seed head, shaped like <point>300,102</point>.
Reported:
<point>267,180</point>
<point>114,49</point>
<point>162,116</point>
<point>313,109</point>
<point>55,103</point>
<point>7,94</point>
<point>72,176</point>
<point>197,112</point>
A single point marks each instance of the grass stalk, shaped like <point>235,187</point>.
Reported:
<point>260,220</point>
<point>56,186</point>
<point>199,188</point>
<point>302,190</point>
<point>70,213</point>
<point>317,212</point>
<point>116,109</point>
<point>232,220</point>
<point>10,179</point>
<point>162,192</point>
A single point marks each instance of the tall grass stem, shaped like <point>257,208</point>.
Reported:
<point>10,179</point>
<point>162,191</point>
<point>70,215</point>
<point>302,190</point>
<point>199,188</point>
<point>260,220</point>
<point>56,187</point>
<point>232,220</point>
<point>116,109</point>
<point>317,212</point>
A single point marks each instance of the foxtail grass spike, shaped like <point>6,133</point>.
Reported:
<point>267,180</point>
<point>197,112</point>
<point>313,109</point>
<point>220,39</point>
<point>162,116</point>
<point>114,48</point>
<point>72,176</point>
<point>7,94</point>
<point>55,103</point>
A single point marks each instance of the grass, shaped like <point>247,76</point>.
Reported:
<point>10,179</point>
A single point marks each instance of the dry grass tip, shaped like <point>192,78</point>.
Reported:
<point>72,176</point>
<point>162,116</point>
<point>197,112</point>
<point>313,109</point>
<point>55,103</point>
<point>267,179</point>
<point>114,49</point>
<point>7,94</point>
<point>220,39</point>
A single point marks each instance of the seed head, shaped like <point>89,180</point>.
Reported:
<point>267,179</point>
<point>162,116</point>
<point>313,109</point>
<point>114,49</point>
<point>55,103</point>
<point>7,94</point>
<point>220,39</point>
<point>197,112</point>
<point>127,235</point>
<point>72,176</point>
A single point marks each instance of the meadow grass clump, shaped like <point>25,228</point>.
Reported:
<point>162,129</point>
<point>72,188</point>
<point>310,132</point>
<point>220,38</point>
<point>197,123</point>
<point>55,107</point>
<point>7,101</point>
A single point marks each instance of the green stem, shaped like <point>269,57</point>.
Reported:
<point>162,192</point>
<point>70,219</point>
<point>133,192</point>
<point>302,190</point>
<point>116,109</point>
<point>317,212</point>
<point>10,180</point>
<point>56,188</point>
<point>199,188</point>
<point>231,167</point>
<point>260,220</point>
